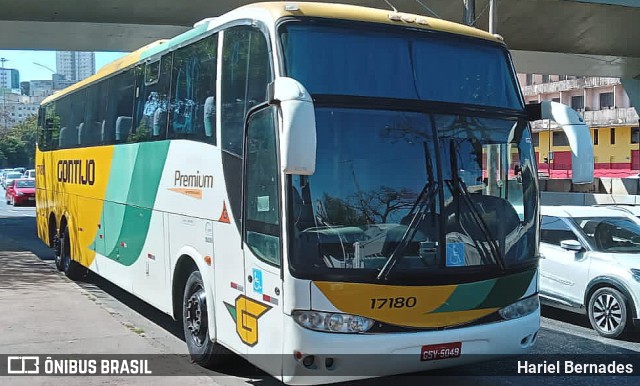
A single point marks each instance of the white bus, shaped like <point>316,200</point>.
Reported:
<point>313,182</point>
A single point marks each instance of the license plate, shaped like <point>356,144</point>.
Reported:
<point>32,198</point>
<point>434,352</point>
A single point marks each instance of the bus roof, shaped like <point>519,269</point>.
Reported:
<point>278,10</point>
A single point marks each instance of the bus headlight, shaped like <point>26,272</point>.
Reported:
<point>520,308</point>
<point>332,322</point>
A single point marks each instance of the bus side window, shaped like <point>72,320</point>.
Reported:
<point>119,108</point>
<point>94,115</point>
<point>193,87</point>
<point>151,100</point>
<point>246,71</point>
<point>62,113</point>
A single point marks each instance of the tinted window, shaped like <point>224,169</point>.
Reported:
<point>611,234</point>
<point>94,117</point>
<point>246,72</point>
<point>152,100</point>
<point>119,108</point>
<point>554,230</point>
<point>377,62</point>
<point>193,91</point>
<point>262,198</point>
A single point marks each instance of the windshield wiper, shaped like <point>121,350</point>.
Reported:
<point>458,187</point>
<point>422,204</point>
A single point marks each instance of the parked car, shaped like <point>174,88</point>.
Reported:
<point>21,170</point>
<point>633,210</point>
<point>3,174</point>
<point>9,177</point>
<point>21,191</point>
<point>590,264</point>
<point>31,173</point>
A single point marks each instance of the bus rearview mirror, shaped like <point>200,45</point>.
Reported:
<point>298,126</point>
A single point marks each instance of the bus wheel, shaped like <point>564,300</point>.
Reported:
<point>72,269</point>
<point>196,325</point>
<point>57,251</point>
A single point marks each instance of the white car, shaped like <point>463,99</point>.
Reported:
<point>9,177</point>
<point>590,264</point>
<point>31,173</point>
<point>633,210</point>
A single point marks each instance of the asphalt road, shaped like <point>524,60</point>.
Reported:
<point>561,332</point>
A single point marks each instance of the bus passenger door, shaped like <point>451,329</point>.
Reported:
<point>262,243</point>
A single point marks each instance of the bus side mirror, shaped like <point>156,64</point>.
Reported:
<point>298,126</point>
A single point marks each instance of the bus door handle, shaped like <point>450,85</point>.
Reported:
<point>249,278</point>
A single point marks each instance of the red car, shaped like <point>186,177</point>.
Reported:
<point>21,191</point>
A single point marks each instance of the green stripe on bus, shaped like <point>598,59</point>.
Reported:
<point>467,296</point>
<point>508,290</point>
<point>122,166</point>
<point>133,225</point>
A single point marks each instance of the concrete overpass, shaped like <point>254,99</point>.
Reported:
<point>576,37</point>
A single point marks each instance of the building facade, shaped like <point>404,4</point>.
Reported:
<point>9,78</point>
<point>605,108</point>
<point>75,65</point>
<point>15,108</point>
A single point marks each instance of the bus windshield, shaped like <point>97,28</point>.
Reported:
<point>396,63</point>
<point>417,192</point>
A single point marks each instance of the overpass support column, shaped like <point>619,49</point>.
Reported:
<point>632,87</point>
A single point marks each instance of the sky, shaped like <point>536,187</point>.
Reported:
<point>23,61</point>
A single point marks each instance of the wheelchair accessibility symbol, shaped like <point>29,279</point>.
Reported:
<point>257,281</point>
<point>455,255</point>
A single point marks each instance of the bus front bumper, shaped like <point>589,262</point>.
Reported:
<point>341,357</point>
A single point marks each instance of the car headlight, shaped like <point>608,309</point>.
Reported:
<point>520,308</point>
<point>635,273</point>
<point>332,322</point>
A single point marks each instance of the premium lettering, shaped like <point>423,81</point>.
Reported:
<point>193,180</point>
<point>75,171</point>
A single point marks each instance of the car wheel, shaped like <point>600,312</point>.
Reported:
<point>72,269</point>
<point>608,312</point>
<point>195,323</point>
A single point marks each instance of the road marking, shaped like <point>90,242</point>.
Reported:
<point>587,333</point>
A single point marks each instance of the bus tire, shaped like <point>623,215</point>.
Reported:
<point>203,351</point>
<point>57,252</point>
<point>72,269</point>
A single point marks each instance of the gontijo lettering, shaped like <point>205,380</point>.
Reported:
<point>75,171</point>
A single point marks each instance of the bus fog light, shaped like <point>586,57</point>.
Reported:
<point>332,322</point>
<point>520,308</point>
<point>308,361</point>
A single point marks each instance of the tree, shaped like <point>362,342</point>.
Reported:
<point>377,205</point>
<point>18,144</point>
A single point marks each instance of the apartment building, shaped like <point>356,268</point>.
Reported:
<point>605,108</point>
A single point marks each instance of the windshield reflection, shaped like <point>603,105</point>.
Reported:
<point>433,191</point>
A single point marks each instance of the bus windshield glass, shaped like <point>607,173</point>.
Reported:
<point>397,63</point>
<point>410,191</point>
<point>378,191</point>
